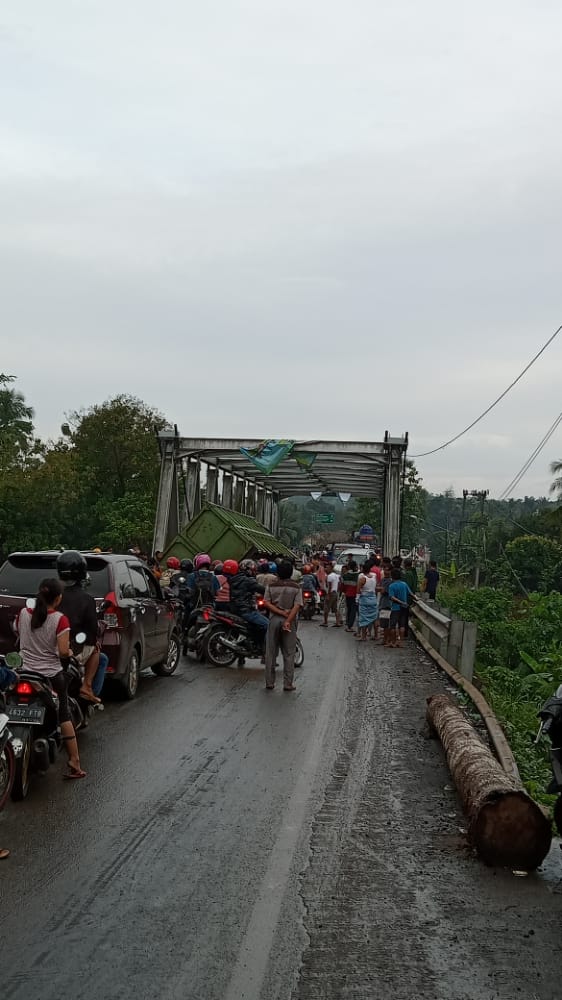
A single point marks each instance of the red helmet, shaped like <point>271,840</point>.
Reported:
<point>173,563</point>
<point>230,567</point>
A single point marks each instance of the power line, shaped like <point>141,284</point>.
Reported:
<point>517,479</point>
<point>423,454</point>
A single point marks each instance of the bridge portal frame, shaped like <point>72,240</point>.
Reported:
<point>364,469</point>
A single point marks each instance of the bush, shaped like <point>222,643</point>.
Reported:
<point>519,664</point>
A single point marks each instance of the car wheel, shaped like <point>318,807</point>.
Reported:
<point>166,669</point>
<point>130,682</point>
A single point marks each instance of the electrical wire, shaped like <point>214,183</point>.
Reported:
<point>517,479</point>
<point>423,454</point>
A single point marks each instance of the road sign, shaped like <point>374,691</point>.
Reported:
<point>325,518</point>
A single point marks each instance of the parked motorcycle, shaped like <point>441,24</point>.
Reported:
<point>33,712</point>
<point>551,725</point>
<point>7,758</point>
<point>229,638</point>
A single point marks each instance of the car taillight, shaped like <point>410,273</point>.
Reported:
<point>206,615</point>
<point>24,687</point>
<point>112,617</point>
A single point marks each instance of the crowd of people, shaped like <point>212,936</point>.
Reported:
<point>372,600</point>
<point>235,587</point>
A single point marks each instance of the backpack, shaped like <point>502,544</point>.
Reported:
<point>203,589</point>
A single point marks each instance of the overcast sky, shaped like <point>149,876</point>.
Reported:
<point>289,219</point>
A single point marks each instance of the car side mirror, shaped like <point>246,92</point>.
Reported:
<point>104,606</point>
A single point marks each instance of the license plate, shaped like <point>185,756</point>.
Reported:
<point>28,715</point>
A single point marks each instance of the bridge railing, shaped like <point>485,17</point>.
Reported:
<point>453,638</point>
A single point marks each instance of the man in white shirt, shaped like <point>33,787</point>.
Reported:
<point>331,600</point>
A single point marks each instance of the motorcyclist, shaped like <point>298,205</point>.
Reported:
<point>173,566</point>
<point>80,609</point>
<point>202,584</point>
<point>310,583</point>
<point>243,590</point>
<point>222,600</point>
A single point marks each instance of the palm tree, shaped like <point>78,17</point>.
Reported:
<point>556,470</point>
<point>16,424</point>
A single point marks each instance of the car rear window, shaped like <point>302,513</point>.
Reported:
<point>21,574</point>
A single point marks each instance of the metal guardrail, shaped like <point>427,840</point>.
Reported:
<point>453,638</point>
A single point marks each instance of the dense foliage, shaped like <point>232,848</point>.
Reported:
<point>96,485</point>
<point>519,664</point>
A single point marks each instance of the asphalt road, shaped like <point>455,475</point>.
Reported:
<point>233,844</point>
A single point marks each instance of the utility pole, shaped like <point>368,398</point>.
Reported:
<point>482,496</point>
<point>459,550</point>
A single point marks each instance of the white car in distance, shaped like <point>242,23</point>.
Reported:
<point>358,553</point>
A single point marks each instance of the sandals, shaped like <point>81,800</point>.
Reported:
<point>270,687</point>
<point>73,773</point>
<point>4,853</point>
<point>92,698</point>
<point>293,687</point>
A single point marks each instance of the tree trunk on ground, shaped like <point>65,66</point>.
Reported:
<point>505,825</point>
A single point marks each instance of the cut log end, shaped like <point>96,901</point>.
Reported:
<point>505,825</point>
<point>511,831</point>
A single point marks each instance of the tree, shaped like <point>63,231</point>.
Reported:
<point>116,446</point>
<point>290,524</point>
<point>414,502</point>
<point>556,470</point>
<point>536,562</point>
<point>16,425</point>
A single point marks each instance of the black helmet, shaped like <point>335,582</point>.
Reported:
<point>71,565</point>
<point>186,566</point>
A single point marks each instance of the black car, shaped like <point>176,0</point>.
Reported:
<point>141,625</point>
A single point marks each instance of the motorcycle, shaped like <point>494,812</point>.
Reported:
<point>196,627</point>
<point>7,757</point>
<point>32,707</point>
<point>309,605</point>
<point>551,726</point>
<point>229,637</point>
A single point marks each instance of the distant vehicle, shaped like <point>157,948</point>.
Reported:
<point>141,625</point>
<point>359,553</point>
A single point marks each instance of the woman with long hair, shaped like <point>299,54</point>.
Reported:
<point>45,648</point>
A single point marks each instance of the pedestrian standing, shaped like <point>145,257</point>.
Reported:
<point>411,575</point>
<point>331,599</point>
<point>349,579</point>
<point>367,601</point>
<point>400,595</point>
<point>431,579</point>
<point>385,605</point>
<point>283,599</point>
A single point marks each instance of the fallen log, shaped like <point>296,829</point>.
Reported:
<point>505,825</point>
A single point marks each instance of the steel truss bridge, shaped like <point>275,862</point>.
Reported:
<point>371,469</point>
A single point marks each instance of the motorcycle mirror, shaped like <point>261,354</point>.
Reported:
<point>30,603</point>
<point>80,638</point>
<point>13,660</point>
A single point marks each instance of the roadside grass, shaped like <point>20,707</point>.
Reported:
<point>518,666</point>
